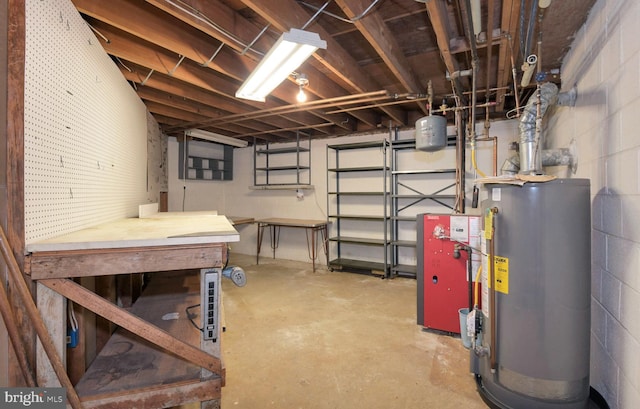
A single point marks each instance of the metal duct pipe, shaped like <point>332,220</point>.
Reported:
<point>550,157</point>
<point>530,127</point>
<point>511,165</point>
<point>235,274</point>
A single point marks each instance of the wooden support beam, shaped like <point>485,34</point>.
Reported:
<point>20,286</point>
<point>132,323</point>
<point>437,11</point>
<point>509,24</point>
<point>14,336</point>
<point>156,397</point>
<point>85,263</point>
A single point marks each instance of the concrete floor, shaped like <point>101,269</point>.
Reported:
<point>298,339</point>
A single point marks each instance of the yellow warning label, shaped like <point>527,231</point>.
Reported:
<point>501,268</point>
<point>501,265</point>
<point>488,225</point>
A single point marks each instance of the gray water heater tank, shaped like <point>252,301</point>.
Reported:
<point>542,311</point>
<point>431,133</point>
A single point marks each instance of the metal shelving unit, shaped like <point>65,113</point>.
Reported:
<point>354,235</point>
<point>199,160</point>
<point>293,170</point>
<point>410,187</point>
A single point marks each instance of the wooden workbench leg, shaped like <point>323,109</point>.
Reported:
<point>52,307</point>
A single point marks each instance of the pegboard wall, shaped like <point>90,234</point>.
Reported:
<point>85,141</point>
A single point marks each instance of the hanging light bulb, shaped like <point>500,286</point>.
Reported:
<point>301,97</point>
<point>302,81</point>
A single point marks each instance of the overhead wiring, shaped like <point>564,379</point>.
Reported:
<point>360,16</point>
<point>197,14</point>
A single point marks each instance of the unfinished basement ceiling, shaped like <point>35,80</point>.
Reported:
<point>187,58</point>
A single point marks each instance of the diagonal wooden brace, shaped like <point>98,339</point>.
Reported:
<point>32,311</point>
<point>132,323</point>
<point>14,335</point>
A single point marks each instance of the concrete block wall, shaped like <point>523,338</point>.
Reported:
<point>604,65</point>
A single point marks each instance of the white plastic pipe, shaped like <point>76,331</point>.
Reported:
<point>528,69</point>
<point>476,16</point>
<point>543,4</point>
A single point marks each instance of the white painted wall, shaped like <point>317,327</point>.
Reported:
<point>604,64</point>
<point>191,195</point>
<point>235,198</point>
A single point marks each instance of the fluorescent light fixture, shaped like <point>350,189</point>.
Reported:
<point>287,54</point>
<point>214,137</point>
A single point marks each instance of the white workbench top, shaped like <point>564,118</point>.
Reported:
<point>165,229</point>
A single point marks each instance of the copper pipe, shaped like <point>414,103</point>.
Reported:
<point>460,108</point>
<point>493,294</point>
<point>346,99</point>
<point>460,163</point>
<point>396,102</point>
<point>20,286</point>
<point>297,128</point>
<point>493,139</point>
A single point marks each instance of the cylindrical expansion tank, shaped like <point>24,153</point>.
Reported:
<point>431,133</point>
<point>542,300</point>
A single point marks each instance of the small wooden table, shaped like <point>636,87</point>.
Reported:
<point>312,227</point>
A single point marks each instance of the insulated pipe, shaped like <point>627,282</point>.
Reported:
<point>476,17</point>
<point>457,74</point>
<point>530,128</point>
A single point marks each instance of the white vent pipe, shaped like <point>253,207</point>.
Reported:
<point>543,4</point>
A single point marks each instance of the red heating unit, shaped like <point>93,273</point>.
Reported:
<point>445,275</point>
